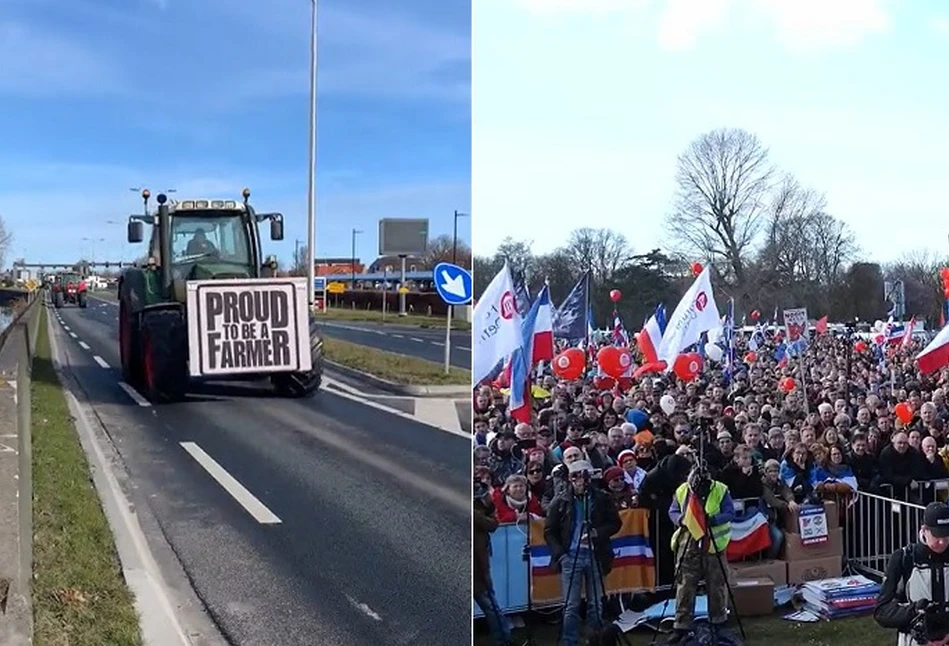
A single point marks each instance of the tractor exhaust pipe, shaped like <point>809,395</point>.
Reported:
<point>164,243</point>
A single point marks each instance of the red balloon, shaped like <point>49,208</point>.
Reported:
<point>624,384</point>
<point>687,366</point>
<point>904,412</point>
<point>697,268</point>
<point>570,364</point>
<point>751,357</point>
<point>614,361</point>
<point>944,272</point>
<point>755,315</point>
<point>615,295</point>
<point>860,346</point>
<point>787,384</point>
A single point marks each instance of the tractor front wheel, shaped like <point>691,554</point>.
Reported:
<point>82,299</point>
<point>303,384</point>
<point>165,355</point>
<point>58,299</point>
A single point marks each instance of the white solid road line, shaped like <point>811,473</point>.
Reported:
<point>84,345</point>
<point>100,361</point>
<point>247,500</point>
<point>131,392</point>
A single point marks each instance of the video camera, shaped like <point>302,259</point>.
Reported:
<point>932,625</point>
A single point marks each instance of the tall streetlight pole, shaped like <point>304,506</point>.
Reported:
<point>353,267</point>
<point>311,197</point>
<point>454,240</point>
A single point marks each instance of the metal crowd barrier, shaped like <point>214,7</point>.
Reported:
<point>875,525</point>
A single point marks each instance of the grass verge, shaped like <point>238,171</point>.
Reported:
<point>79,594</point>
<point>773,631</point>
<point>375,316</point>
<point>400,368</point>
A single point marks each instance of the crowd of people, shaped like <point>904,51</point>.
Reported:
<point>783,433</point>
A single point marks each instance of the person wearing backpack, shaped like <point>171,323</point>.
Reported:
<point>913,597</point>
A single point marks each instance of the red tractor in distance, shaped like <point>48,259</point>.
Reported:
<point>69,288</point>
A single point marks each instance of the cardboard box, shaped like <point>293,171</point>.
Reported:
<point>777,571</point>
<point>791,519</point>
<point>795,550</point>
<point>753,597</point>
<point>814,569</point>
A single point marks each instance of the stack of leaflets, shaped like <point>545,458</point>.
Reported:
<point>842,597</point>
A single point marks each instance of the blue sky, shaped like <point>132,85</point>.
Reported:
<point>208,96</point>
<point>581,107</point>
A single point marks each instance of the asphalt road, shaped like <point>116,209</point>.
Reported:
<point>424,343</point>
<point>354,526</point>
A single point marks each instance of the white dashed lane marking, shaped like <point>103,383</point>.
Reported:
<point>74,335</point>
<point>84,345</point>
<point>101,361</point>
<point>246,499</point>
<point>131,392</point>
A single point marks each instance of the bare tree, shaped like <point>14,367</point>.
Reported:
<point>919,271</point>
<point>723,180</point>
<point>298,265</point>
<point>6,240</point>
<point>440,249</point>
<point>603,250</point>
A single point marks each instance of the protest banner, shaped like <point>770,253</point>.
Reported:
<point>238,326</point>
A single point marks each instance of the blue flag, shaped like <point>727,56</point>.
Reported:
<point>572,318</point>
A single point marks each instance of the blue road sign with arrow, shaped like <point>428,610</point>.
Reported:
<point>453,283</point>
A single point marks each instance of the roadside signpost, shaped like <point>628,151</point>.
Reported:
<point>453,284</point>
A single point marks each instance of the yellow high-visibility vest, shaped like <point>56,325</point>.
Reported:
<point>721,534</point>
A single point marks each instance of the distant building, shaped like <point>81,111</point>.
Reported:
<point>331,266</point>
<point>412,263</point>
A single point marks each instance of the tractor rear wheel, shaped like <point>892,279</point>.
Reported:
<point>303,384</point>
<point>165,355</point>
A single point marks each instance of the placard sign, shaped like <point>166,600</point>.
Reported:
<point>246,327</point>
<point>812,522</point>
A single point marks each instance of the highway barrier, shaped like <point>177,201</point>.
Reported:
<point>17,346</point>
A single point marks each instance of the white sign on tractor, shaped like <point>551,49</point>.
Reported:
<point>248,326</point>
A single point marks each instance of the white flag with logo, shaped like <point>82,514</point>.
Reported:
<point>696,313</point>
<point>496,326</point>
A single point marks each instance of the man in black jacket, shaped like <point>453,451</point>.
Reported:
<point>913,596</point>
<point>579,517</point>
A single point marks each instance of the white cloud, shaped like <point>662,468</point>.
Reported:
<point>43,63</point>
<point>808,25</point>
<point>798,25</point>
<point>683,21</point>
<point>554,7</point>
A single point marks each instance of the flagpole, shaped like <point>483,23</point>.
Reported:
<point>586,307</point>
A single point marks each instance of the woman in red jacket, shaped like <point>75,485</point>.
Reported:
<point>514,503</point>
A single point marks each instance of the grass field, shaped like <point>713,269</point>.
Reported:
<point>375,316</point>
<point>769,631</point>
<point>400,368</point>
<point>79,594</point>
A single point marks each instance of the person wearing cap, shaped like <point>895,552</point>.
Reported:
<point>913,599</point>
<point>580,521</point>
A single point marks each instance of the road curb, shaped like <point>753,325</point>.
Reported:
<point>410,390</point>
<point>163,620</point>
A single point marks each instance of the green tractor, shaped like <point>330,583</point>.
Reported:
<point>69,288</point>
<point>207,305</point>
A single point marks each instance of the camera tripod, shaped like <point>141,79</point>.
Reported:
<point>680,553</point>
<point>586,541</point>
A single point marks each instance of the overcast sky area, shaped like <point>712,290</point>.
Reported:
<point>581,107</point>
<point>100,96</point>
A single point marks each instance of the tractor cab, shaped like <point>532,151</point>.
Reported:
<point>205,239</point>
